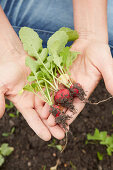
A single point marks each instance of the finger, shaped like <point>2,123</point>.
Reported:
<point>45,111</point>
<point>36,124</point>
<point>51,120</point>
<point>56,131</point>
<point>2,104</point>
<point>39,104</point>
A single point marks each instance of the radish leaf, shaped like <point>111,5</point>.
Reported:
<point>31,41</point>
<point>72,34</point>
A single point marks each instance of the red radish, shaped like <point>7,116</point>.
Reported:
<point>74,90</point>
<point>55,110</point>
<point>62,95</point>
<point>65,99</point>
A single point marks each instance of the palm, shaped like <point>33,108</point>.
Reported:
<point>93,63</point>
<point>13,77</point>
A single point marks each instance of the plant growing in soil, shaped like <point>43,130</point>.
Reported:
<point>54,145</point>
<point>99,156</point>
<point>5,150</point>
<point>50,68</point>
<point>9,108</point>
<point>6,134</point>
<point>103,138</point>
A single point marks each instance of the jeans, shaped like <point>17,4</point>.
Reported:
<point>47,16</point>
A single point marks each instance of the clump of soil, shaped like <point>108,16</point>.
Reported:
<point>61,119</point>
<point>32,153</point>
<point>76,90</point>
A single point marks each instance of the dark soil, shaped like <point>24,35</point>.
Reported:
<point>31,153</point>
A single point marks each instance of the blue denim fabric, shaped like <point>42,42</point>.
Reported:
<point>44,16</point>
<point>47,16</point>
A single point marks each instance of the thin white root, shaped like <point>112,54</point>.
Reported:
<point>65,143</point>
<point>102,101</point>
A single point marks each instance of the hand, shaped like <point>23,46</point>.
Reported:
<point>94,62</point>
<point>13,77</point>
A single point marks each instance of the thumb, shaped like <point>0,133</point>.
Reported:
<point>106,69</point>
<point>2,104</point>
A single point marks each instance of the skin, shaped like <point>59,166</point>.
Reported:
<point>13,77</point>
<point>94,62</point>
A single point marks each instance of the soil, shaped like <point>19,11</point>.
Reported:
<point>31,153</point>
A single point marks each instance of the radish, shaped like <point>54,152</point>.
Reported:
<point>62,96</point>
<point>55,110</point>
<point>65,99</point>
<point>76,90</point>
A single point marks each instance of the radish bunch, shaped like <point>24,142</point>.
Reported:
<point>64,97</point>
<point>49,69</point>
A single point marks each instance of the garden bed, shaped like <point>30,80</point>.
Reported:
<point>31,153</point>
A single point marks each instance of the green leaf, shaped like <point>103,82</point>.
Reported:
<point>72,34</point>
<point>29,88</point>
<point>12,115</point>
<point>97,135</point>
<point>103,135</point>
<point>86,142</point>
<point>31,41</point>
<point>100,156</point>
<point>57,60</point>
<point>68,57</point>
<point>35,86</point>
<point>5,134</point>
<point>42,55</point>
<point>6,150</point>
<point>2,160</point>
<point>12,130</point>
<point>9,106</point>
<point>57,42</point>
<point>109,151</point>
<point>32,64</point>
<point>107,141</point>
<point>73,166</point>
<point>50,58</point>
<point>17,113</point>
<point>31,78</point>
<point>9,133</point>
<point>45,74</point>
<point>59,147</point>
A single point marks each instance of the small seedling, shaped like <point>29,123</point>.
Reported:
<point>54,145</point>
<point>104,139</point>
<point>14,114</point>
<point>44,167</point>
<point>73,166</point>
<point>9,133</point>
<point>99,156</point>
<point>5,150</point>
<point>9,106</point>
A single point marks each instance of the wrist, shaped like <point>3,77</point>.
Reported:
<point>90,19</point>
<point>92,34</point>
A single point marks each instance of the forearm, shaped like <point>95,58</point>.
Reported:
<point>9,41</point>
<point>90,19</point>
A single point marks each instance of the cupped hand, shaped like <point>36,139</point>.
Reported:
<point>13,77</point>
<point>94,63</point>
